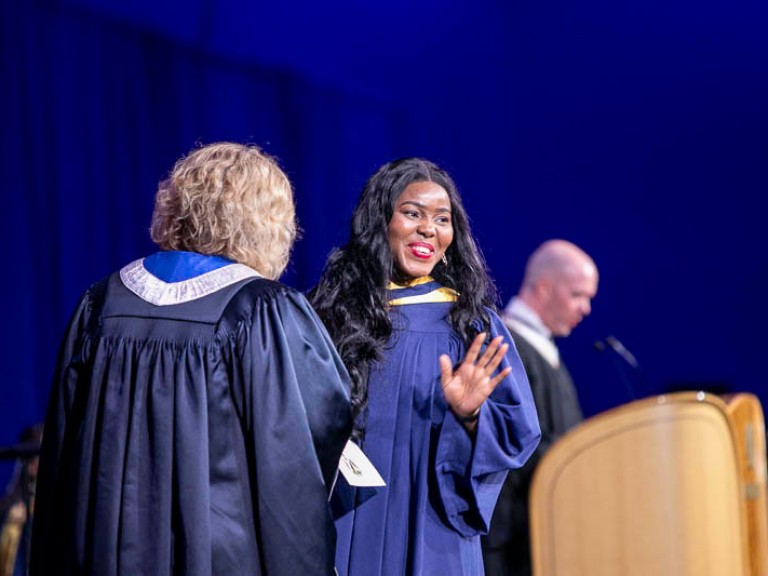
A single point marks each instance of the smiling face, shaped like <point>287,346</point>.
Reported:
<point>420,230</point>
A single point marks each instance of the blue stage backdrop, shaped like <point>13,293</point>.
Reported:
<point>638,130</point>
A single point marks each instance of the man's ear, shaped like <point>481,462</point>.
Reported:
<point>544,288</point>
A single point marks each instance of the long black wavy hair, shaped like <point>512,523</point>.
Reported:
<point>351,296</point>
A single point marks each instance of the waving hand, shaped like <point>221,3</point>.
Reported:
<point>470,384</point>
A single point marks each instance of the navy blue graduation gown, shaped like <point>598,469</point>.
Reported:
<point>192,438</point>
<point>442,484</point>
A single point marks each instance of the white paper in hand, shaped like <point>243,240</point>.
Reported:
<point>357,469</point>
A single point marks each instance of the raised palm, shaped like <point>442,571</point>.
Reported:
<point>470,384</point>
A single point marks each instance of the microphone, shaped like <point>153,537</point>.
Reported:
<point>613,343</point>
<point>622,351</point>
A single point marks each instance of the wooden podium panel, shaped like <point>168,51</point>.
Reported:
<point>652,488</point>
<point>749,422</point>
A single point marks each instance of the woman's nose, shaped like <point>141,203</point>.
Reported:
<point>426,228</point>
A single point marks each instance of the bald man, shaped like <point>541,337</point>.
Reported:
<point>555,296</point>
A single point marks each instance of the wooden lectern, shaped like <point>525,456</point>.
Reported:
<point>747,417</point>
<point>668,486</point>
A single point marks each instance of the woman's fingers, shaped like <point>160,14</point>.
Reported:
<point>475,369</point>
<point>470,385</point>
<point>498,378</point>
<point>474,349</point>
<point>446,369</point>
<point>490,358</point>
<point>493,354</point>
<point>490,350</point>
<point>497,357</point>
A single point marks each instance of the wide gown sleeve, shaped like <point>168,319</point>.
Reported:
<point>297,419</point>
<point>471,471</point>
<point>48,544</point>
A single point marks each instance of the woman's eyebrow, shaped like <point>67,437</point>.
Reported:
<point>424,206</point>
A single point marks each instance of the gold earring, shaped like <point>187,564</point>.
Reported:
<point>444,259</point>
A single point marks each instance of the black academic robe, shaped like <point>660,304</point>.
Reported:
<point>506,548</point>
<point>197,438</point>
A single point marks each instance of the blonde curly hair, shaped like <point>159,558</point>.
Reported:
<point>229,200</point>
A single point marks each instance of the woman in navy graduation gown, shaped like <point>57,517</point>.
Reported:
<point>199,408</point>
<point>443,407</point>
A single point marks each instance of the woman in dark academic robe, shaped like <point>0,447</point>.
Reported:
<point>199,407</point>
<point>443,407</point>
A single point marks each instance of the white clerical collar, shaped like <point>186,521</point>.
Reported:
<point>150,288</point>
<point>521,318</point>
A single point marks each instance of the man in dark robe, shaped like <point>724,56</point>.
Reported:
<point>559,284</point>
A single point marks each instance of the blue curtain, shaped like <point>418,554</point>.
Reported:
<point>94,114</point>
